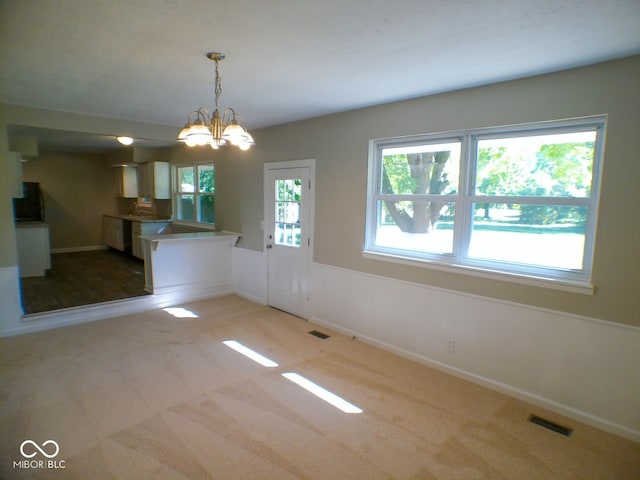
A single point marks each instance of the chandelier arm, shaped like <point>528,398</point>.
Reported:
<point>229,115</point>
<point>201,114</point>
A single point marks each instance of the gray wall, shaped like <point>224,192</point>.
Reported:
<point>78,189</point>
<point>339,144</point>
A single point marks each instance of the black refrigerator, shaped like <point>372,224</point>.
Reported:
<point>29,208</point>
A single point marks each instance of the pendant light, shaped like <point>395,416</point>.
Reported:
<point>216,130</point>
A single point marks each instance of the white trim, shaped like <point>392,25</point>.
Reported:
<point>310,164</point>
<point>566,286</point>
<point>176,192</point>
<point>578,281</point>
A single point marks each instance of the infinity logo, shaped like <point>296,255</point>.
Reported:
<point>39,449</point>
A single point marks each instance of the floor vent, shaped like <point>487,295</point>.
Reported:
<point>318,334</point>
<point>549,425</point>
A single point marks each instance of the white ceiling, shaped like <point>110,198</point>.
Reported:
<point>144,60</point>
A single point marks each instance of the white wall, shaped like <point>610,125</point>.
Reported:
<point>250,274</point>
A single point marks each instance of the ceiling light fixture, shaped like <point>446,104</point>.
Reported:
<point>215,129</point>
<point>125,140</point>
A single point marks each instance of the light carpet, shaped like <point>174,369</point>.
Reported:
<point>153,396</point>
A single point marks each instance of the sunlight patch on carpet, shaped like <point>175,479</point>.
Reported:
<point>322,393</point>
<point>252,354</point>
<point>180,312</point>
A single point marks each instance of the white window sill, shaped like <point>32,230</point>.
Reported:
<point>519,278</point>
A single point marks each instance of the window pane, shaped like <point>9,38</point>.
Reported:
<point>421,169</point>
<point>206,208</point>
<point>538,235</point>
<point>288,212</point>
<point>287,215</point>
<point>287,234</point>
<point>558,165</point>
<point>186,182</point>
<point>418,226</point>
<point>205,178</point>
<point>186,207</point>
<point>288,189</point>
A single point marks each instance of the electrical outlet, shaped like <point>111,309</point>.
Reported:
<point>451,345</point>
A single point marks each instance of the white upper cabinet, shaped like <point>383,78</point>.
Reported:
<point>127,182</point>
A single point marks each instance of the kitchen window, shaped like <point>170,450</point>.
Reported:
<point>194,194</point>
<point>518,201</point>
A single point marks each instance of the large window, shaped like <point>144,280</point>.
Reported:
<point>194,195</point>
<point>519,200</point>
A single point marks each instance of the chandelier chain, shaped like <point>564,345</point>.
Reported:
<point>218,88</point>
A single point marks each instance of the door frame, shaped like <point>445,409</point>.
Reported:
<point>309,163</point>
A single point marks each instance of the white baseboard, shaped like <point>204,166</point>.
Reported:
<point>88,248</point>
<point>90,313</point>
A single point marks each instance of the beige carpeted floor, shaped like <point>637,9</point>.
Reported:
<point>152,396</point>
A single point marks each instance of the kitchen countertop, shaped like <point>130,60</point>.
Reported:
<point>138,218</point>
<point>31,224</point>
<point>191,236</point>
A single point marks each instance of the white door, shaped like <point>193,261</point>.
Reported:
<point>288,228</point>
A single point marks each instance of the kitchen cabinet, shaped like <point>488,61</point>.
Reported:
<point>154,180</point>
<point>143,228</point>
<point>127,182</point>
<point>113,231</point>
<point>34,253</point>
<point>14,172</point>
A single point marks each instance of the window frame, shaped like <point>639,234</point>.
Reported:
<point>177,192</point>
<point>459,261</point>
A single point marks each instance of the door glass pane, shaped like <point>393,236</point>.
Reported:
<point>558,165</point>
<point>538,235</point>
<point>420,226</point>
<point>287,212</point>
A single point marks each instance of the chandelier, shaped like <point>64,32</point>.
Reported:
<point>215,129</point>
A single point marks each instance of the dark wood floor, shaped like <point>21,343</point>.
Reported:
<point>83,278</point>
